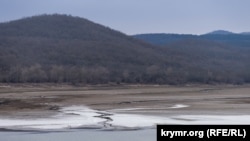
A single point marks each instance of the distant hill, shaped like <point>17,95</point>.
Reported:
<point>66,49</point>
<point>229,38</point>
<point>220,32</point>
<point>162,39</point>
<point>224,32</point>
<point>208,57</point>
<point>245,33</point>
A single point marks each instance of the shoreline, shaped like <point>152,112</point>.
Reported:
<point>159,103</point>
<point>81,117</point>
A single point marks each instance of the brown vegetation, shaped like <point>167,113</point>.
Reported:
<point>66,49</point>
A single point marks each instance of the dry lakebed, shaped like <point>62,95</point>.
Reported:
<point>64,112</point>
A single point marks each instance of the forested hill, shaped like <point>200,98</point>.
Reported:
<point>60,48</point>
<point>66,49</point>
<point>219,56</point>
<point>226,37</point>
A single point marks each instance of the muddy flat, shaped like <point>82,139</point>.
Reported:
<point>45,100</point>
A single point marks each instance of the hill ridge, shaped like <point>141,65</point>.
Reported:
<point>66,49</point>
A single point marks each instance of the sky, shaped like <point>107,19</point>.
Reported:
<point>142,16</point>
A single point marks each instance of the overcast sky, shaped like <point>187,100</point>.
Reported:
<point>142,16</point>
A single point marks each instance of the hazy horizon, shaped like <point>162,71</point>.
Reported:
<point>136,17</point>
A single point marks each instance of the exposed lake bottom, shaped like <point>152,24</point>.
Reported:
<point>81,135</point>
<point>81,117</point>
<point>116,114</point>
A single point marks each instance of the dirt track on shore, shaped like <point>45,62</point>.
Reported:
<point>43,101</point>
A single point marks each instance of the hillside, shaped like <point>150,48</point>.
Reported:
<point>59,48</point>
<point>162,38</point>
<point>226,37</point>
<point>220,32</point>
<point>66,49</point>
<point>206,58</point>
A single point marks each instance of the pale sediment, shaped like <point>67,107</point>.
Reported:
<point>122,108</point>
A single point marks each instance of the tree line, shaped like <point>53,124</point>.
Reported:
<point>66,49</point>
